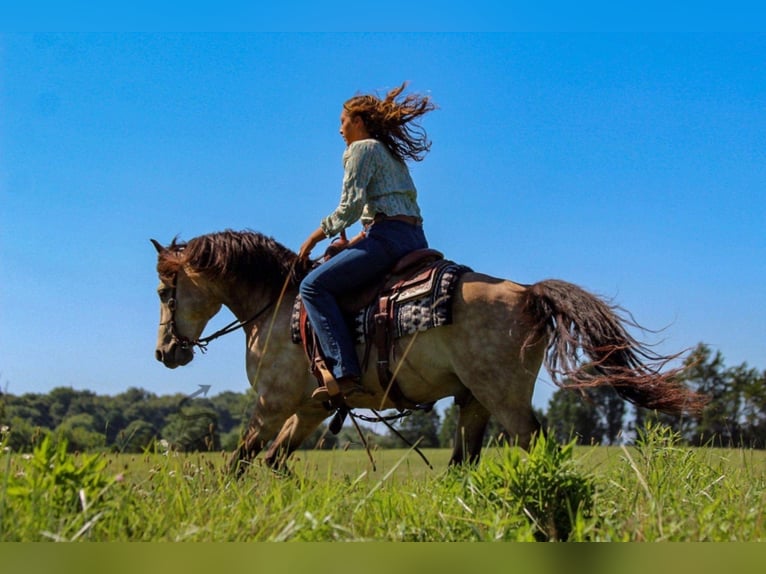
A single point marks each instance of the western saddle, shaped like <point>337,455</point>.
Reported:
<point>411,276</point>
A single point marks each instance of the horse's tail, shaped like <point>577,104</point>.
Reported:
<point>579,324</point>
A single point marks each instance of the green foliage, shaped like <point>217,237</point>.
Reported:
<point>130,421</point>
<point>138,436</point>
<point>662,491</point>
<point>737,412</point>
<point>544,485</point>
<point>54,494</point>
<point>76,431</point>
<point>422,428</point>
<point>193,429</point>
<point>21,435</point>
<point>449,426</point>
<point>655,491</point>
<point>735,416</point>
<point>592,416</point>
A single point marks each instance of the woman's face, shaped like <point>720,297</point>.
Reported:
<point>352,128</point>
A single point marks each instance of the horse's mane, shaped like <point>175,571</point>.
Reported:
<point>242,255</point>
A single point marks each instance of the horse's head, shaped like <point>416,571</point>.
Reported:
<point>185,307</point>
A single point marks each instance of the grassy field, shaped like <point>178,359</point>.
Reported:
<point>654,491</point>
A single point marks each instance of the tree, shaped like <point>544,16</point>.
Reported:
<point>61,398</point>
<point>752,389</point>
<point>594,415</point>
<point>79,433</point>
<point>22,436</point>
<point>115,423</point>
<point>320,439</point>
<point>136,437</point>
<point>33,408</point>
<point>569,416</point>
<point>233,409</point>
<point>736,414</point>
<point>706,373</point>
<point>421,425</point>
<point>449,426</point>
<point>193,429</point>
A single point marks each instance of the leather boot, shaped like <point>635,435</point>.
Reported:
<point>344,386</point>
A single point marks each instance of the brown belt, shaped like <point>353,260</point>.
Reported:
<point>411,219</point>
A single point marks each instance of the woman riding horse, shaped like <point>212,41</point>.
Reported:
<point>487,359</point>
<point>377,188</point>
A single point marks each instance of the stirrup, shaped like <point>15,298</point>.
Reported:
<point>344,388</point>
<point>322,394</point>
<point>328,387</point>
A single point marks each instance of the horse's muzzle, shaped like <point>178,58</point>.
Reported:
<point>174,356</point>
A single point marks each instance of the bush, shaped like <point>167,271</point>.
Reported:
<point>54,494</point>
<point>543,485</point>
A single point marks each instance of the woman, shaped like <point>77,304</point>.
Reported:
<point>380,135</point>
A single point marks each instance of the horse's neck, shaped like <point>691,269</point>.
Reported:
<point>255,305</point>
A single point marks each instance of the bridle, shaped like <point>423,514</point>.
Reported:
<point>187,343</point>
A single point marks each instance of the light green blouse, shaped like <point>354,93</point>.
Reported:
<point>374,182</point>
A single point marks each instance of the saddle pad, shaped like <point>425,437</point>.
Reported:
<point>423,312</point>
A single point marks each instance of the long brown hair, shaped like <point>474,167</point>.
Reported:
<point>392,121</point>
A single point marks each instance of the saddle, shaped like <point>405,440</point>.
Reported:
<point>414,296</point>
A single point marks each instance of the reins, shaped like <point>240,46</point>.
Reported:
<point>203,342</point>
<point>230,328</point>
<point>379,418</point>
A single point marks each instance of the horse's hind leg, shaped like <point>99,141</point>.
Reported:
<point>471,426</point>
<point>511,403</point>
<point>515,414</point>
<point>522,428</point>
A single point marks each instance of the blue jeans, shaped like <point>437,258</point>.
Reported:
<point>358,266</point>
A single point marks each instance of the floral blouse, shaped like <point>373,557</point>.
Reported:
<point>374,182</point>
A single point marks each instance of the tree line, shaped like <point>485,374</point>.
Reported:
<point>137,420</point>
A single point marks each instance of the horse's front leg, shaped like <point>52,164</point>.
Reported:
<point>471,426</point>
<point>293,433</point>
<point>261,428</point>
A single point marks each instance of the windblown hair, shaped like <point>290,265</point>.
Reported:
<point>245,255</point>
<point>393,122</point>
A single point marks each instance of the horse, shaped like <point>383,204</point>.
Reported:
<point>487,359</point>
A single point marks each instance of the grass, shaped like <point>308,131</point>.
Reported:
<point>655,491</point>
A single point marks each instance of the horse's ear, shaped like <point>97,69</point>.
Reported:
<point>160,249</point>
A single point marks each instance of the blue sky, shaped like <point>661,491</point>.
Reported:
<point>631,164</point>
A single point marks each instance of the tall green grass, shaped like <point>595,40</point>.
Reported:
<point>660,491</point>
<point>656,490</point>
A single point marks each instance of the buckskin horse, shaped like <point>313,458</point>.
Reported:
<point>487,358</point>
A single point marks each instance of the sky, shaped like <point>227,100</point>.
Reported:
<point>631,164</point>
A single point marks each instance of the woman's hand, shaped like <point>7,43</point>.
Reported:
<point>317,236</point>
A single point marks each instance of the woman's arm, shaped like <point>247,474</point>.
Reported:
<point>360,161</point>
<point>316,236</point>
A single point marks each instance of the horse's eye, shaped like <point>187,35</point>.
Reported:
<point>164,293</point>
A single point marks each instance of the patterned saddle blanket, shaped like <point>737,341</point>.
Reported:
<point>417,305</point>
